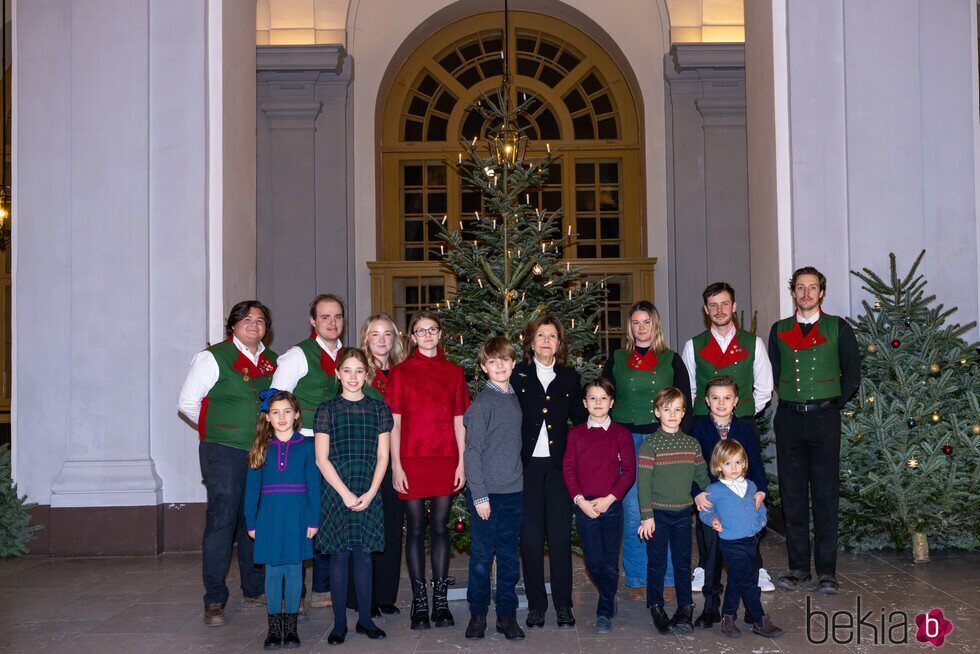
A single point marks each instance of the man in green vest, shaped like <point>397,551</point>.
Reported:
<point>308,370</point>
<point>221,397</point>
<point>726,349</point>
<point>816,363</point>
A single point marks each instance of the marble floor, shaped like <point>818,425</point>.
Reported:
<point>153,604</point>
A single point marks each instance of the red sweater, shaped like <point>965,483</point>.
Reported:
<point>599,461</point>
<point>428,392</point>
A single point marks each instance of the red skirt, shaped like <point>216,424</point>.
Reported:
<point>429,476</point>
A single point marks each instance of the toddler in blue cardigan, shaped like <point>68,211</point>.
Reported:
<point>738,523</point>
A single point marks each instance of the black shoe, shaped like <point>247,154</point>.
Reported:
<point>372,633</point>
<point>274,639</point>
<point>535,619</point>
<point>660,619</point>
<point>290,637</point>
<point>828,585</point>
<point>388,609</point>
<point>510,629</point>
<point>337,639</point>
<point>477,628</point>
<point>420,605</point>
<point>682,620</point>
<point>708,618</point>
<point>565,617</point>
<point>793,579</point>
<point>375,611</point>
<point>441,616</point>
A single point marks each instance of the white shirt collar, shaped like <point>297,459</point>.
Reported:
<point>807,321</point>
<point>726,338</point>
<point>738,486</point>
<point>244,349</point>
<point>323,345</point>
<point>600,425</point>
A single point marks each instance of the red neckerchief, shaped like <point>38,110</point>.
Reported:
<point>327,363</point>
<point>794,337</point>
<point>248,369</point>
<point>712,352</point>
<point>646,362</point>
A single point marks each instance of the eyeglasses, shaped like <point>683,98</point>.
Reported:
<point>419,333</point>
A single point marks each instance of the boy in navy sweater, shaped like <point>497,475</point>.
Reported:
<point>737,518</point>
<point>721,395</point>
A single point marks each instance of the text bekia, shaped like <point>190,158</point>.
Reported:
<point>845,627</point>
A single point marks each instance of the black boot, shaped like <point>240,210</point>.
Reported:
<point>510,629</point>
<point>708,618</point>
<point>440,603</point>
<point>682,620</point>
<point>477,627</point>
<point>274,639</point>
<point>660,619</point>
<point>420,605</point>
<point>290,637</point>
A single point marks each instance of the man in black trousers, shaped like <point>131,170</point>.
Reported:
<point>817,367</point>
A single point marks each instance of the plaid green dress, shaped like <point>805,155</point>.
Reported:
<point>353,428</point>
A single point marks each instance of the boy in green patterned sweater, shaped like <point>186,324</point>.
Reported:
<point>670,466</point>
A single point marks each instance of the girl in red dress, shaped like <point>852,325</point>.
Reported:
<point>427,395</point>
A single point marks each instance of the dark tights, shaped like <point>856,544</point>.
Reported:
<point>415,538</point>
<point>339,568</point>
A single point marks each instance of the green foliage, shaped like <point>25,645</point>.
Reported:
<point>15,521</point>
<point>918,395</point>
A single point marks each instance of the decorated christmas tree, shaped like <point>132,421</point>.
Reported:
<point>910,439</point>
<point>507,261</point>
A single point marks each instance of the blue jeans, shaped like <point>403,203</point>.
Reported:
<point>498,536</point>
<point>673,527</point>
<point>743,576</point>
<point>634,549</point>
<point>224,469</point>
<point>601,538</point>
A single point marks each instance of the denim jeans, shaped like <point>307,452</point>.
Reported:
<point>224,469</point>
<point>634,549</point>
<point>496,536</point>
<point>601,538</point>
<point>673,527</point>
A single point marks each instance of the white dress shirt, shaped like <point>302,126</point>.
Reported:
<point>807,321</point>
<point>292,367</point>
<point>202,376</point>
<point>761,367</point>
<point>738,486</point>
<point>546,375</point>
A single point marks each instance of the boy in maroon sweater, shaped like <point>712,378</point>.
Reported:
<point>599,467</point>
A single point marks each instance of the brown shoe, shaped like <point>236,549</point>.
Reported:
<point>669,593</point>
<point>728,626</point>
<point>253,602</point>
<point>214,614</point>
<point>766,628</point>
<point>638,593</point>
<point>320,600</point>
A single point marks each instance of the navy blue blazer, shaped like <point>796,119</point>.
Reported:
<point>705,432</point>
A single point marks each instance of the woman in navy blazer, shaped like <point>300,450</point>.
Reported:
<point>549,393</point>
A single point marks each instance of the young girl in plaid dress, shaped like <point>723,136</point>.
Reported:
<point>351,438</point>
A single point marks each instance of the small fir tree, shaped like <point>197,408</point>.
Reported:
<point>910,439</point>
<point>15,521</point>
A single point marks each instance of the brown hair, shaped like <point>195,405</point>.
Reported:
<point>327,297</point>
<point>599,382</point>
<point>421,315</point>
<point>264,432</point>
<point>497,347</point>
<point>531,328</point>
<point>397,353</point>
<point>657,332</point>
<point>241,310</point>
<point>718,381</point>
<point>352,353</point>
<point>808,270</point>
<point>715,289</point>
<point>726,450</point>
<point>667,396</point>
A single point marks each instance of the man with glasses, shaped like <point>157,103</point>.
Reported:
<point>221,397</point>
<point>308,371</point>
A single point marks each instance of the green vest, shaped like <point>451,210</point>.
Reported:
<point>635,389</point>
<point>230,410</point>
<point>809,366</point>
<point>317,385</point>
<point>736,362</point>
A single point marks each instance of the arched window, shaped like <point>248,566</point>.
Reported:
<point>581,104</point>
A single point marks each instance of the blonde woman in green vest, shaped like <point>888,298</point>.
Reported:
<point>815,359</point>
<point>639,371</point>
<point>221,396</point>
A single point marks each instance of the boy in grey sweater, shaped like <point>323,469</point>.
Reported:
<point>495,482</point>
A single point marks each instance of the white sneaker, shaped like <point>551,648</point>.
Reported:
<point>697,580</point>
<point>765,581</point>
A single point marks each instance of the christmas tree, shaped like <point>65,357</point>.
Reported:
<point>507,261</point>
<point>910,439</point>
<point>15,529</point>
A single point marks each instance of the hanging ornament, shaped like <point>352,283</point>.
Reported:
<point>976,430</point>
<point>896,342</point>
<point>913,463</point>
<point>872,347</point>
<point>877,305</point>
<point>911,423</point>
<point>935,417</point>
<point>460,526</point>
<point>948,449</point>
<point>537,269</point>
<point>934,368</point>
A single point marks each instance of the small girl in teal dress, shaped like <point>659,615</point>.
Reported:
<point>282,507</point>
